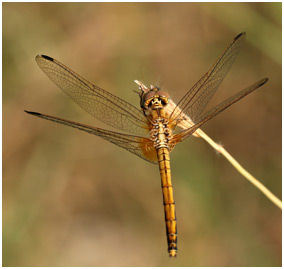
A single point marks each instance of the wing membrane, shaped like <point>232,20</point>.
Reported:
<point>140,146</point>
<point>101,104</point>
<point>196,99</point>
<point>216,110</point>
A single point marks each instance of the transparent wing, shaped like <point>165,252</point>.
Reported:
<point>140,146</point>
<point>216,110</point>
<point>196,99</point>
<point>101,104</point>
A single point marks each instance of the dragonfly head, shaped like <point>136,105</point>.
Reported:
<point>154,99</point>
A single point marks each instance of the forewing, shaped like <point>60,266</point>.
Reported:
<point>216,110</point>
<point>101,104</point>
<point>196,99</point>
<point>140,146</point>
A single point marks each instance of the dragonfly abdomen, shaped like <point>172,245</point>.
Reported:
<point>168,198</point>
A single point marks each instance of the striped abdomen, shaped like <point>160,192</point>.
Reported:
<point>168,197</point>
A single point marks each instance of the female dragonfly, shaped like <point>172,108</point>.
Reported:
<point>153,127</point>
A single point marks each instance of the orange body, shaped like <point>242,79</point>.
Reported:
<point>168,198</point>
<point>161,136</point>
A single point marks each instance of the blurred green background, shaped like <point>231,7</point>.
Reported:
<point>72,199</point>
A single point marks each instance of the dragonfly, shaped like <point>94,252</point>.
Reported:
<point>152,131</point>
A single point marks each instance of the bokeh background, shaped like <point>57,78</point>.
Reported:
<point>72,199</point>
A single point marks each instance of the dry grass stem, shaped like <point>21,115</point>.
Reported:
<point>186,123</point>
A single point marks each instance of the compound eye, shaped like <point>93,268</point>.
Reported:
<point>149,95</point>
<point>164,94</point>
<point>146,99</point>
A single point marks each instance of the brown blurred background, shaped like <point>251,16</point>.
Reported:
<point>72,199</point>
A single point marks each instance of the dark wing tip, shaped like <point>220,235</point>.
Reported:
<point>45,57</point>
<point>239,35</point>
<point>32,113</point>
<point>263,81</point>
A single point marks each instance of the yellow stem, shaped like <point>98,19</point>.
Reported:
<point>244,172</point>
<point>187,123</point>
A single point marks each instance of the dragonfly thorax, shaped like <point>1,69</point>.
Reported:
<point>160,133</point>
